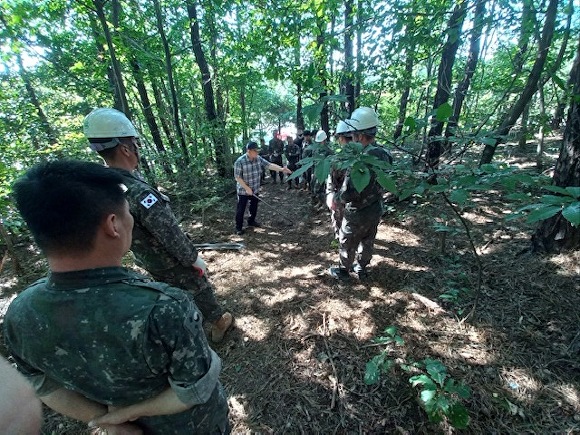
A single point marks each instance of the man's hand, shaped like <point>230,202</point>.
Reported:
<point>249,191</point>
<point>286,170</point>
<point>200,265</point>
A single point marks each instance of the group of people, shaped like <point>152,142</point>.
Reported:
<point>111,347</point>
<point>354,215</point>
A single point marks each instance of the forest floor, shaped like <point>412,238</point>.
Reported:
<point>295,360</point>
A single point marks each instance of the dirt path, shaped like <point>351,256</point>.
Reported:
<point>296,359</point>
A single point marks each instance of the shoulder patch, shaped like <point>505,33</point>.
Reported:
<point>149,201</point>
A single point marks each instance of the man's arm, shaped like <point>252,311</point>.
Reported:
<point>277,168</point>
<point>244,185</point>
<point>20,411</point>
<point>163,404</point>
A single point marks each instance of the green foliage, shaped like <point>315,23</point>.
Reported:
<point>440,395</point>
<point>381,363</point>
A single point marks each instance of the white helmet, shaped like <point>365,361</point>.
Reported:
<point>363,118</point>
<point>320,136</point>
<point>106,123</point>
<point>342,128</point>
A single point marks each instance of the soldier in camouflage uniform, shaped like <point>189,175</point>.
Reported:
<point>159,244</point>
<point>276,149</point>
<point>362,210</point>
<point>335,179</point>
<point>292,153</point>
<point>98,342</point>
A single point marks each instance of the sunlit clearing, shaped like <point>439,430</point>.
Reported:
<point>253,328</point>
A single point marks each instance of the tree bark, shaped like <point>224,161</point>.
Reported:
<point>444,78</point>
<point>404,101</point>
<point>150,117</point>
<point>470,66</point>
<point>557,234</point>
<point>208,93</point>
<point>120,91</point>
<point>348,87</point>
<point>530,88</point>
<point>169,71</point>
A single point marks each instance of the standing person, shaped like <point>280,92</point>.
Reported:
<point>264,153</point>
<point>335,179</point>
<point>362,210</point>
<point>307,152</point>
<point>247,175</point>
<point>321,150</point>
<point>276,149</point>
<point>159,245</point>
<point>292,153</point>
<point>98,342</point>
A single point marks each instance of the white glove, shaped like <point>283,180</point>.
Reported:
<point>200,265</point>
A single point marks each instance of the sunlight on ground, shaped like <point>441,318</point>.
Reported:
<point>520,384</point>
<point>252,328</point>
<point>237,405</point>
<point>271,300</point>
<point>402,236</point>
<point>4,302</point>
<point>569,394</point>
<point>568,265</point>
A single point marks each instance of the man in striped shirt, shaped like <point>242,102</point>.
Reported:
<point>247,170</point>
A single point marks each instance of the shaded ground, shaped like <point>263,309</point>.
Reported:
<point>296,359</point>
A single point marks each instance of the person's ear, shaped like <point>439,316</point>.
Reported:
<point>110,225</point>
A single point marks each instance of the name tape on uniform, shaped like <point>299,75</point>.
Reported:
<point>149,200</point>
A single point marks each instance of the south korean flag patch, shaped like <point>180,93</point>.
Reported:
<point>148,201</point>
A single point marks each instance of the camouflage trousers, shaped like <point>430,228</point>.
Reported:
<point>357,235</point>
<point>208,418</point>
<point>336,219</point>
<point>186,278</point>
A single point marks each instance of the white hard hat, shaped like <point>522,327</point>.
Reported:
<point>363,118</point>
<point>342,128</point>
<point>107,123</point>
<point>320,136</point>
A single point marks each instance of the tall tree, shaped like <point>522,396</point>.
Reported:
<point>171,80</point>
<point>470,66</point>
<point>511,116</point>
<point>444,79</point>
<point>216,124</point>
<point>557,233</point>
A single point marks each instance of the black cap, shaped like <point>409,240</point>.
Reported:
<point>307,133</point>
<point>252,146</point>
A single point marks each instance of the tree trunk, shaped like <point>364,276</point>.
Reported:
<point>117,76</point>
<point>163,114</point>
<point>208,94</point>
<point>348,87</point>
<point>9,250</point>
<point>530,88</point>
<point>557,234</point>
<point>169,71</point>
<point>48,130</point>
<point>470,66</point>
<point>404,101</point>
<point>150,117</point>
<point>444,79</point>
<point>299,114</point>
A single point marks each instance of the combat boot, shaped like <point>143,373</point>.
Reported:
<point>219,328</point>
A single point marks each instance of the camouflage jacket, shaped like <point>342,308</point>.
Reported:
<point>117,338</point>
<point>158,241</point>
<point>372,194</point>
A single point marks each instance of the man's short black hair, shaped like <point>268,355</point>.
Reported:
<point>64,201</point>
<point>307,133</point>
